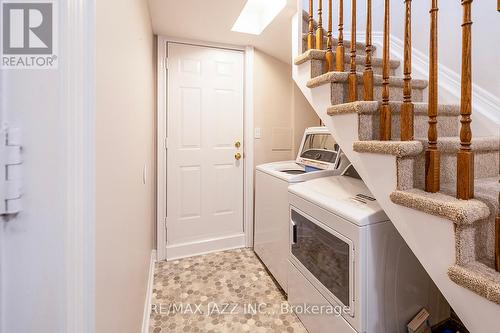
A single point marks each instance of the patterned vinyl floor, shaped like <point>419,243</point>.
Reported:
<point>222,292</point>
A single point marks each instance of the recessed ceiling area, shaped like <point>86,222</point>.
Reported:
<point>212,21</point>
<point>257,15</point>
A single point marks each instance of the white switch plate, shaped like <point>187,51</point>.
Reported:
<point>257,133</point>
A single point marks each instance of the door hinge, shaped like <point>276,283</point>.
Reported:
<point>166,143</point>
<point>165,63</point>
<point>11,172</point>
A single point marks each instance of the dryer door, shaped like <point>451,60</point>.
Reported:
<point>325,257</point>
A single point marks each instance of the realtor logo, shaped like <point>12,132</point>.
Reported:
<point>29,37</point>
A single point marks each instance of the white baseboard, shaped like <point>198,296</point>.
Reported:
<point>486,106</point>
<point>149,293</point>
<point>191,249</point>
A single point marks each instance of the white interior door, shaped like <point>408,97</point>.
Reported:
<point>205,123</point>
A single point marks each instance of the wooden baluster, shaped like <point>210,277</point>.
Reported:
<point>368,73</point>
<point>385,112</point>
<point>432,155</point>
<point>353,78</point>
<point>465,157</point>
<point>329,41</point>
<point>319,30</point>
<point>339,53</point>
<point>310,34</point>
<point>407,107</point>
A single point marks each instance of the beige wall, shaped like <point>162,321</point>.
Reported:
<point>303,116</point>
<point>125,144</point>
<point>281,111</point>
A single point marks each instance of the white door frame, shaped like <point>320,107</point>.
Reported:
<point>76,120</point>
<point>77,82</point>
<point>248,153</point>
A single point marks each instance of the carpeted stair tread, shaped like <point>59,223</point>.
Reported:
<point>309,55</point>
<point>476,242</point>
<point>372,107</point>
<point>422,108</point>
<point>359,107</point>
<point>395,148</point>
<point>320,55</point>
<point>478,278</point>
<point>488,187</point>
<point>417,146</point>
<point>360,47</point>
<point>342,77</point>
<point>442,205</point>
<point>369,118</point>
<point>452,144</point>
<point>485,190</point>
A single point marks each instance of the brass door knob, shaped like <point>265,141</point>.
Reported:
<point>237,156</point>
<point>237,144</point>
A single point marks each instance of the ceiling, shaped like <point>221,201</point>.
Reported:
<point>212,20</point>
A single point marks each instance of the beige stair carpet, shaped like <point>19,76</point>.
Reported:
<point>474,219</point>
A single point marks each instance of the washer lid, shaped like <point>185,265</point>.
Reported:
<point>344,196</point>
<point>319,149</point>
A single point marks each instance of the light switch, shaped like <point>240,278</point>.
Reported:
<point>257,133</point>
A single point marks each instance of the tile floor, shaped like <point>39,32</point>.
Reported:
<point>228,291</point>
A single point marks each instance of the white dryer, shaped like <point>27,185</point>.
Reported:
<point>346,253</point>
<point>319,156</point>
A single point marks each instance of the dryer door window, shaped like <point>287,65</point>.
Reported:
<point>324,254</point>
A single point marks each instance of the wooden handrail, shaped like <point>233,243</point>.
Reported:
<point>368,73</point>
<point>310,34</point>
<point>385,112</point>
<point>353,78</point>
<point>432,155</point>
<point>319,30</point>
<point>407,107</point>
<point>330,66</point>
<point>339,53</point>
<point>465,157</point>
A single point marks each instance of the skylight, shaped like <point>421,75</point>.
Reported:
<point>257,15</point>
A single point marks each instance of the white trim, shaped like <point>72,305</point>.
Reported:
<point>161,152</point>
<point>486,106</point>
<point>297,40</point>
<point>196,248</point>
<point>195,42</point>
<point>77,77</point>
<point>248,196</point>
<point>149,293</point>
<point>161,241</point>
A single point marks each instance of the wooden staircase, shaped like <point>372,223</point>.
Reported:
<point>438,183</point>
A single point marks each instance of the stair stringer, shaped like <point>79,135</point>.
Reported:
<point>431,238</point>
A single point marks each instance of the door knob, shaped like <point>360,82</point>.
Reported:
<point>237,144</point>
<point>237,156</point>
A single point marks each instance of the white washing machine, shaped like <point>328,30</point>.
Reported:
<point>319,156</point>
<point>346,254</point>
